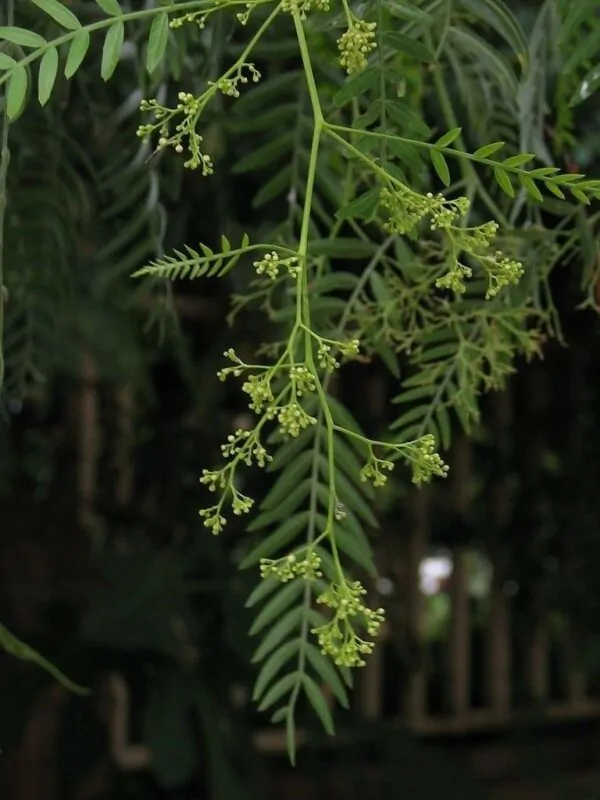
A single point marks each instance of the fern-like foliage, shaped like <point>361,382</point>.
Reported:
<point>49,203</point>
<point>366,259</point>
<point>193,264</point>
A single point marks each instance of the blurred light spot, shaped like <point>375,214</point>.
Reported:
<point>434,571</point>
<point>385,586</point>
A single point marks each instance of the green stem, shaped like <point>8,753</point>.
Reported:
<point>381,66</point>
<point>316,139</point>
<point>383,174</point>
<point>303,320</point>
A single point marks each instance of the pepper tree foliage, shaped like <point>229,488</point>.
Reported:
<point>427,249</point>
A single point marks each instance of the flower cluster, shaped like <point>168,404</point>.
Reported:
<point>478,239</point>
<point>240,503</point>
<point>338,638</point>
<point>303,380</point>
<point>290,567</point>
<point>241,446</point>
<point>214,479</point>
<point>372,471</point>
<point>445,212</point>
<point>304,6</point>
<point>326,348</point>
<point>454,280</point>
<point>271,263</point>
<point>199,17</point>
<point>355,44</point>
<point>406,209</point>
<point>213,517</point>
<point>424,459</point>
<point>349,348</point>
<point>189,109</point>
<point>502,271</point>
<point>258,389</point>
<point>229,85</point>
<point>325,357</point>
<point>293,419</point>
<point>236,370</point>
<point>247,446</point>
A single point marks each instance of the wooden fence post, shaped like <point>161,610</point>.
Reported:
<point>416,688</point>
<point>460,620</point>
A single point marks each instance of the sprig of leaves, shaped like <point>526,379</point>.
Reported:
<point>195,264</point>
<point>18,649</point>
<point>581,188</point>
<point>15,71</point>
<point>311,526</point>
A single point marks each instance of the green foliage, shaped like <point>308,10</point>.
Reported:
<point>18,649</point>
<point>424,248</point>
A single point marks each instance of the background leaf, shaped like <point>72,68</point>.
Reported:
<point>77,51</point>
<point>440,166</point>
<point>17,92</point>
<point>47,74</point>
<point>110,7</point>
<point>22,37</point>
<point>157,41</point>
<point>111,52</point>
<point>59,13</point>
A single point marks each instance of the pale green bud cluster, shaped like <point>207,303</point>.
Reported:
<point>229,86</point>
<point>244,16</point>
<point>502,271</point>
<point>372,471</point>
<point>245,444</point>
<point>349,348</point>
<point>424,459</point>
<point>302,379</point>
<point>241,504</point>
<point>406,209</point>
<point>304,6</point>
<point>213,519</point>
<point>293,419</point>
<point>327,347</point>
<point>338,638</point>
<point>355,44</point>
<point>445,212</point>
<point>475,240</point>
<point>271,263</point>
<point>290,567</point>
<point>213,479</point>
<point>199,17</point>
<point>454,280</point>
<point>325,357</point>
<point>189,108</point>
<point>258,389</point>
<point>480,237</point>
<point>236,370</point>
<point>222,480</point>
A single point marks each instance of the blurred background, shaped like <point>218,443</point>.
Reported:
<point>487,681</point>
